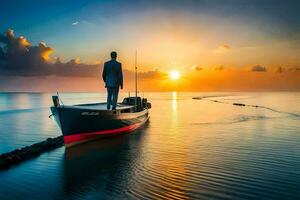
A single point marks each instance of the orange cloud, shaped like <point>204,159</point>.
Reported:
<point>23,41</point>
<point>45,51</point>
<point>222,48</point>
<point>197,68</point>
<point>258,68</point>
<point>219,68</point>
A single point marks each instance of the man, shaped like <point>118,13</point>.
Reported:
<point>113,78</point>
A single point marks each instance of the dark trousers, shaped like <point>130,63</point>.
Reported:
<point>112,97</point>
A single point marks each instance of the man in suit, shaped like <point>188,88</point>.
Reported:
<point>113,78</point>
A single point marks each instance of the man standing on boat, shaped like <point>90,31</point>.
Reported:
<point>113,78</point>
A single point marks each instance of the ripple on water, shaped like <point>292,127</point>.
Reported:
<point>200,150</point>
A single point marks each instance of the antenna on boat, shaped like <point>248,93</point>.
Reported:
<point>59,98</point>
<point>136,79</point>
<point>136,86</point>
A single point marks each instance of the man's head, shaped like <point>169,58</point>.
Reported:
<point>113,55</point>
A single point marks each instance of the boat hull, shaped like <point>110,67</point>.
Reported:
<point>82,125</point>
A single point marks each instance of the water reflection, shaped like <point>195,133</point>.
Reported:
<point>174,118</point>
<point>94,168</point>
<point>174,102</point>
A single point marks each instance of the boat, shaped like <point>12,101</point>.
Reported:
<point>84,122</point>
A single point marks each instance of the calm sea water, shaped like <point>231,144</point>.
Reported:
<point>190,149</point>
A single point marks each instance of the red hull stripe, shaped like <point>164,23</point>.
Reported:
<point>85,136</point>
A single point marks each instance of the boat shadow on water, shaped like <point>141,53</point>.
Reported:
<point>107,164</point>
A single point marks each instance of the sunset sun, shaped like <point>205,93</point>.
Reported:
<point>174,75</point>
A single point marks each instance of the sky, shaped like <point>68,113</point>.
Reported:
<point>215,45</point>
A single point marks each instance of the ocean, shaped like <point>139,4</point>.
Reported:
<point>195,146</point>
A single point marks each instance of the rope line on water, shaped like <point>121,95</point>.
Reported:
<point>244,105</point>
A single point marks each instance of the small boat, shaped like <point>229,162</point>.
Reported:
<point>84,122</point>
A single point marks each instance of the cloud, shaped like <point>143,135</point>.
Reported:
<point>44,51</point>
<point>222,48</point>
<point>75,23</point>
<point>18,57</point>
<point>153,74</point>
<point>258,68</point>
<point>292,69</point>
<point>219,68</point>
<point>280,69</point>
<point>197,68</point>
<point>74,61</point>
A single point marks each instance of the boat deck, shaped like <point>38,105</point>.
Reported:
<point>101,106</point>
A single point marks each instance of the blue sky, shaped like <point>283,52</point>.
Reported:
<point>89,29</point>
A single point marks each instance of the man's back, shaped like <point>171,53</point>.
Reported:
<point>112,74</point>
<point>113,78</point>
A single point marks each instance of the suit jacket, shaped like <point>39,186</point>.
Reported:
<point>112,74</point>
